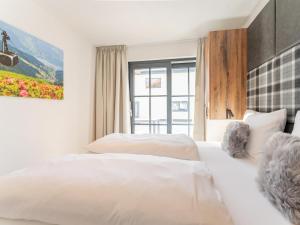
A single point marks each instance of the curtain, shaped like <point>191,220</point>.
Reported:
<point>112,91</point>
<point>200,97</point>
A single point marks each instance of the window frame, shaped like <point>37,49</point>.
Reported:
<point>169,64</point>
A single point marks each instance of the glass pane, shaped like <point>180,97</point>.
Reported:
<point>180,129</point>
<point>158,110</point>
<point>141,129</point>
<point>140,79</point>
<point>192,109</point>
<point>141,110</point>
<point>192,80</point>
<point>180,81</point>
<point>158,81</point>
<point>158,129</point>
<point>180,110</point>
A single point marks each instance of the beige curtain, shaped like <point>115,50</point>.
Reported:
<point>112,91</point>
<point>201,83</point>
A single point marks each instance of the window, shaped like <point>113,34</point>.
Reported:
<point>137,109</point>
<point>162,95</point>
<point>180,106</point>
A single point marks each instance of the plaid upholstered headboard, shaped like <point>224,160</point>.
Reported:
<point>276,85</point>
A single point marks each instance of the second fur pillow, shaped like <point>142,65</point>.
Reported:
<point>235,139</point>
<point>279,174</point>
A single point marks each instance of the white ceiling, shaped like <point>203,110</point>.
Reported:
<point>109,22</point>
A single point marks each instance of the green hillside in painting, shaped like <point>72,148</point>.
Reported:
<point>40,81</point>
<point>37,71</point>
<point>30,66</point>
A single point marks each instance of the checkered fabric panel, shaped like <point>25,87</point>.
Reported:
<point>276,84</point>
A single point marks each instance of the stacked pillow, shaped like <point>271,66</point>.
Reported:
<point>248,138</point>
<point>279,172</point>
<point>296,130</point>
<point>278,154</point>
<point>249,113</point>
<point>279,175</point>
<point>235,139</point>
<point>262,127</point>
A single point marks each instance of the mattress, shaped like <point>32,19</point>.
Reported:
<point>235,179</point>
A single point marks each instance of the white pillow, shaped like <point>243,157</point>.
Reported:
<point>296,130</point>
<point>262,127</point>
<point>250,112</point>
<point>170,145</point>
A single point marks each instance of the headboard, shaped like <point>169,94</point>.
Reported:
<point>276,85</point>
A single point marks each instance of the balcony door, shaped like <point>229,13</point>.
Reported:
<point>162,96</point>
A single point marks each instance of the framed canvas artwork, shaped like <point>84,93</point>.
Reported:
<point>29,67</point>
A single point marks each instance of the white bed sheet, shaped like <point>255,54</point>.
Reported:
<point>235,179</point>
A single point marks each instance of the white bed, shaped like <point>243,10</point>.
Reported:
<point>106,189</point>
<point>235,179</point>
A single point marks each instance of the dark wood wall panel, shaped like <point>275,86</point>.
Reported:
<point>227,73</point>
<point>261,36</point>
<point>218,68</point>
<point>287,24</point>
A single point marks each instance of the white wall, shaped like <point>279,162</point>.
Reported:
<point>32,130</point>
<point>167,50</point>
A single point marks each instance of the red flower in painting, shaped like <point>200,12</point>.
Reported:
<point>22,85</point>
<point>23,93</point>
<point>53,96</point>
<point>12,84</point>
<point>10,80</point>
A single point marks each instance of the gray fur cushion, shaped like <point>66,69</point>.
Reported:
<point>235,139</point>
<point>279,174</point>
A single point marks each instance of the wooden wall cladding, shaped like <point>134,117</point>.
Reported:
<point>227,73</point>
<point>261,36</point>
<point>287,24</point>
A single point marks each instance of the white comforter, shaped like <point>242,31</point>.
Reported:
<point>177,146</point>
<point>113,189</point>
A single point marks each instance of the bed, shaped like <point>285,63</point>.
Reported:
<point>113,189</point>
<point>235,179</point>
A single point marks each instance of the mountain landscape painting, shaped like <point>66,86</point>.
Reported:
<point>29,67</point>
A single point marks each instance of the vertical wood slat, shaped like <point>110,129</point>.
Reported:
<point>227,73</point>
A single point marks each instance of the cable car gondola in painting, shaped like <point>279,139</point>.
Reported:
<point>7,58</point>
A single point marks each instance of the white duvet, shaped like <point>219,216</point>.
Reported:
<point>113,189</point>
<point>177,146</point>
